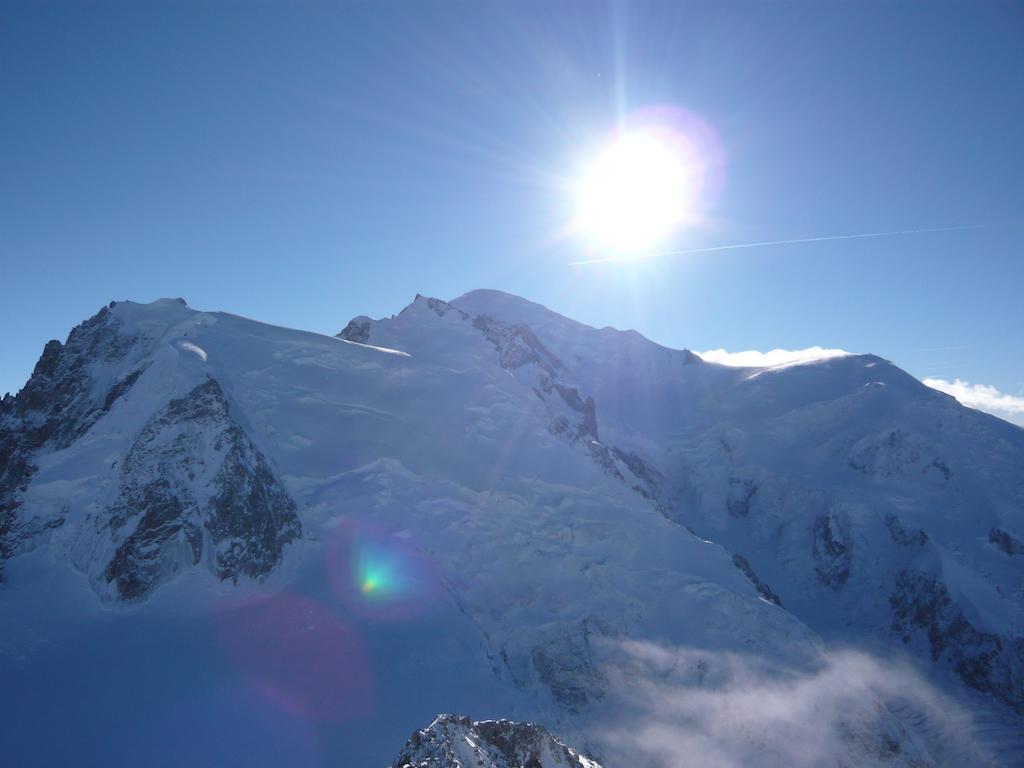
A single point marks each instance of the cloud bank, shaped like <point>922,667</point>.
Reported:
<point>983,397</point>
<point>726,710</point>
<point>752,358</point>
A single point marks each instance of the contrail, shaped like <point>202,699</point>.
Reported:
<point>736,246</point>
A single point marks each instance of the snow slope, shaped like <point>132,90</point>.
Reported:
<point>292,544</point>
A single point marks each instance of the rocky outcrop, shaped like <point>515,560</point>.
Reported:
<point>60,402</point>
<point>762,589</point>
<point>441,308</point>
<point>831,552</point>
<point>650,483</point>
<point>901,535</point>
<point>194,480</point>
<point>454,741</point>
<point>741,494</point>
<point>357,330</point>
<point>924,613</point>
<point>573,414</point>
<point>897,453</point>
<point>566,668</point>
<point>517,345</point>
<point>1006,541</point>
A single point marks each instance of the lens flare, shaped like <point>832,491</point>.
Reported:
<point>301,655</point>
<point>379,575</point>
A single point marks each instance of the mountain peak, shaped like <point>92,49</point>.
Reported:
<point>508,308</point>
<point>493,295</point>
<point>451,741</point>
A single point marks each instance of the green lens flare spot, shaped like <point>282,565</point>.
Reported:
<point>376,577</point>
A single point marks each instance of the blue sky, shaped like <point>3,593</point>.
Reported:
<point>305,163</point>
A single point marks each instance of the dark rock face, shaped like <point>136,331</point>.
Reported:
<point>573,414</point>
<point>762,589</point>
<point>651,483</point>
<point>452,740</point>
<point>442,308</point>
<point>120,388</point>
<point>192,479</point>
<point>924,612</point>
<point>358,330</point>
<point>517,345</point>
<point>1006,541</point>
<point>586,408</point>
<point>57,405</point>
<point>134,565</point>
<point>741,494</point>
<point>564,666</point>
<point>902,536</point>
<point>832,555</point>
<point>15,471</point>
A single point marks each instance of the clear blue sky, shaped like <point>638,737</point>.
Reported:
<point>305,163</point>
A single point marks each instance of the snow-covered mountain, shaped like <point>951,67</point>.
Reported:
<point>453,741</point>
<point>299,547</point>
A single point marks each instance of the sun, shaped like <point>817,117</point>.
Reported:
<point>636,192</point>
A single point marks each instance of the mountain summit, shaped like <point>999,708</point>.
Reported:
<point>481,505</point>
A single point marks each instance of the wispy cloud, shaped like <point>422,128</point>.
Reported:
<point>722,710</point>
<point>983,397</point>
<point>752,358</point>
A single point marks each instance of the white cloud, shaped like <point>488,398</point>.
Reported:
<point>724,710</point>
<point>752,358</point>
<point>983,397</point>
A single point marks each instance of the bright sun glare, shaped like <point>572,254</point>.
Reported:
<point>636,192</point>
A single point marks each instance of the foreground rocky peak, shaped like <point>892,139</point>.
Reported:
<point>454,741</point>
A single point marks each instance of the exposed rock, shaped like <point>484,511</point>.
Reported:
<point>923,611</point>
<point>517,345</point>
<point>897,453</point>
<point>763,589</point>
<point>358,330</point>
<point>941,467</point>
<point>121,387</point>
<point>571,397</point>
<point>651,481</point>
<point>442,308</point>
<point>604,459</point>
<point>741,493</point>
<point>565,666</point>
<point>454,741</point>
<point>1006,541</point>
<point>902,536</point>
<point>832,555</point>
<point>193,476</point>
<point>57,405</point>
